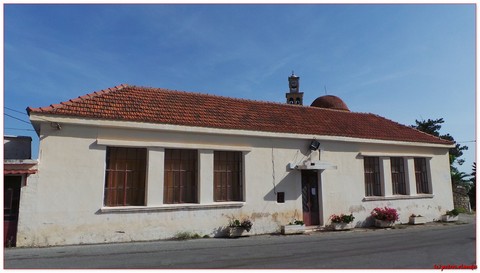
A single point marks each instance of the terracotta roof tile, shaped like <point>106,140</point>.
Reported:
<point>157,105</point>
<point>5,172</point>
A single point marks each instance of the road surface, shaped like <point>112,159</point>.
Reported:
<point>426,247</point>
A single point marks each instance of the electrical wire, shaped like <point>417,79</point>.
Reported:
<point>8,108</point>
<point>466,141</point>
<point>16,118</point>
<point>20,129</point>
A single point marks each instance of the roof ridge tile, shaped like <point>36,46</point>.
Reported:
<point>75,100</point>
<point>425,133</point>
<point>217,96</point>
<point>408,126</point>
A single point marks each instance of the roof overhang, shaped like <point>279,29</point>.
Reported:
<point>56,121</point>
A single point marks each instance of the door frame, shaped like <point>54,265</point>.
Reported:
<point>318,195</point>
<point>12,225</point>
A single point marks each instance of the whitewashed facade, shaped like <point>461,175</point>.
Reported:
<point>64,202</point>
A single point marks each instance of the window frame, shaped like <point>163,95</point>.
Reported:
<point>181,176</point>
<point>228,182</point>
<point>119,168</point>
<point>397,169</point>
<point>372,176</point>
<point>421,175</point>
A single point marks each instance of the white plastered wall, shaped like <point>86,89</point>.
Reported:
<point>344,188</point>
<point>64,205</point>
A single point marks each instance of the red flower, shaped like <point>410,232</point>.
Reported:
<point>386,214</point>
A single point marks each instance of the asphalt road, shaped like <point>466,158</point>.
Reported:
<point>426,247</point>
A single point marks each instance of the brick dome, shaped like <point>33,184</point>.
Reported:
<point>330,102</point>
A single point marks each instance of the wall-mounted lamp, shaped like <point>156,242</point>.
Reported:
<point>55,125</point>
<point>314,145</point>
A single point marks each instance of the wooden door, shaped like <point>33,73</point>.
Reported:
<point>11,202</point>
<point>311,210</point>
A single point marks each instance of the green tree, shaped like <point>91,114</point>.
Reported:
<point>472,193</point>
<point>432,127</point>
<point>461,178</point>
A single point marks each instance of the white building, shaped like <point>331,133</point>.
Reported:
<point>132,163</point>
<point>18,167</point>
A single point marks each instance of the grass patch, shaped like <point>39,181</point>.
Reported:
<point>186,235</point>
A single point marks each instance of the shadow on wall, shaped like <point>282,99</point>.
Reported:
<point>221,232</point>
<point>367,222</point>
<point>289,185</point>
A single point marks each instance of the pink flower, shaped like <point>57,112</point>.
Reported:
<point>342,218</point>
<point>385,214</point>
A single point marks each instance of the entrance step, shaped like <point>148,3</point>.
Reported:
<point>309,229</point>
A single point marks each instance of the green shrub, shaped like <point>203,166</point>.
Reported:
<point>461,210</point>
<point>186,235</point>
<point>453,212</point>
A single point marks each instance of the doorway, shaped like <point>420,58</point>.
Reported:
<point>11,202</point>
<point>310,203</point>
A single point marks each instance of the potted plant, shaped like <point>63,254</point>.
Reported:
<point>384,217</point>
<point>237,228</point>
<point>450,216</point>
<point>417,219</point>
<point>342,221</point>
<point>294,227</point>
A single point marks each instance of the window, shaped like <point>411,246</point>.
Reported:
<point>125,176</point>
<point>180,183</point>
<point>227,176</point>
<point>421,175</point>
<point>398,175</point>
<point>372,176</point>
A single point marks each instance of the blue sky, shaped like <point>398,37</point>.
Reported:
<point>402,62</point>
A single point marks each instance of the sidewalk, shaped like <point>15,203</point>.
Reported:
<point>322,231</point>
<point>445,243</point>
<point>463,218</point>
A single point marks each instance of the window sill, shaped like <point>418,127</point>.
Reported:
<point>397,197</point>
<point>171,207</point>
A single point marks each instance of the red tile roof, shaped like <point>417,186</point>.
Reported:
<point>156,105</point>
<point>5,172</point>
